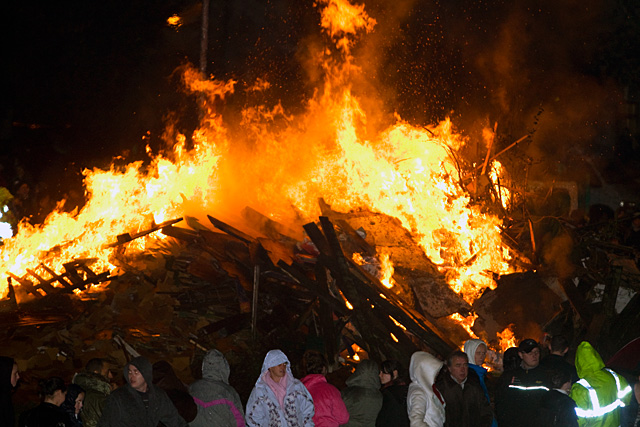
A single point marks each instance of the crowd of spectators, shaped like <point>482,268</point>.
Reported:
<point>525,390</point>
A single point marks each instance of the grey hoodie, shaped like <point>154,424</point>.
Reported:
<point>125,406</point>
<point>218,402</point>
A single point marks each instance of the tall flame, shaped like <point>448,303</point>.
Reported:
<point>404,171</point>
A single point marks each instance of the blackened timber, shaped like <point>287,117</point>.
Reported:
<point>57,277</point>
<point>232,231</point>
<point>318,239</point>
<point>408,317</point>
<point>43,283</point>
<point>127,237</point>
<point>314,286</point>
<point>332,237</point>
<point>266,225</point>
<point>181,234</point>
<point>26,284</point>
<point>325,314</point>
<point>373,328</point>
<point>355,285</point>
<point>360,243</point>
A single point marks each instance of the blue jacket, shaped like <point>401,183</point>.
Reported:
<point>263,408</point>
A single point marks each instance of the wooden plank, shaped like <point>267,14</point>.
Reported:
<point>268,226</point>
<point>355,284</point>
<point>57,277</point>
<point>325,315</point>
<point>181,234</point>
<point>43,284</point>
<point>232,231</point>
<point>26,284</point>
<point>127,237</point>
<point>318,239</point>
<point>314,287</point>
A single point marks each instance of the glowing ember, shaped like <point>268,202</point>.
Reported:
<point>174,21</point>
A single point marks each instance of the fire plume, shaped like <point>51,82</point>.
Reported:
<point>401,170</point>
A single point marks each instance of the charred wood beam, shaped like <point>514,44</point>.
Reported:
<point>404,314</point>
<point>181,234</point>
<point>26,284</point>
<point>315,287</point>
<point>232,231</point>
<point>318,239</point>
<point>361,293</point>
<point>266,225</point>
<point>57,277</point>
<point>127,237</point>
<point>325,315</point>
<point>43,284</point>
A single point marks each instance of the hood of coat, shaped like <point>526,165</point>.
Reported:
<point>470,347</point>
<point>313,379</point>
<point>587,360</point>
<point>366,375</point>
<point>424,368</point>
<point>91,381</point>
<point>144,366</point>
<point>275,358</point>
<point>215,367</point>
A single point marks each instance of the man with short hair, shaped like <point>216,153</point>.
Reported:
<point>555,361</point>
<point>140,403</point>
<point>520,390</point>
<point>95,382</point>
<point>465,402</point>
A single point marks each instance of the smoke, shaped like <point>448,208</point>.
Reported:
<point>531,67</point>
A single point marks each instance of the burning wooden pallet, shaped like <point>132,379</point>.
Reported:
<point>77,275</point>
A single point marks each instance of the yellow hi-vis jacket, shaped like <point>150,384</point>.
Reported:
<point>600,393</point>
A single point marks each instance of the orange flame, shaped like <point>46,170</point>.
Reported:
<point>403,171</point>
<point>466,322</point>
<point>174,21</point>
<point>507,338</point>
<point>386,271</point>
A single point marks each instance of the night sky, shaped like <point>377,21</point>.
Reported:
<point>91,79</point>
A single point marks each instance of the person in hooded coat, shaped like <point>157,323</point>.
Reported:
<point>139,403</point>
<point>95,382</point>
<point>424,402</point>
<point>8,380</point>
<point>601,393</point>
<point>279,399</point>
<point>362,396</point>
<point>330,410</point>
<point>218,403</point>
<point>476,351</point>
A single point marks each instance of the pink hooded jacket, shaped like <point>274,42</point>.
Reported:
<point>330,409</point>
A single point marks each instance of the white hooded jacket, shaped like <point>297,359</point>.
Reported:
<point>263,408</point>
<point>425,408</point>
